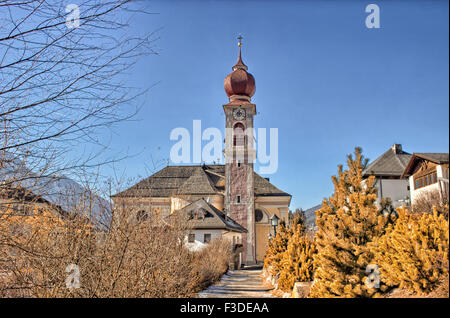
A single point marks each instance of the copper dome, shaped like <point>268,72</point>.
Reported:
<point>240,82</point>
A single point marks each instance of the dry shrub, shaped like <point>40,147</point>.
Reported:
<point>210,263</point>
<point>426,200</point>
<point>131,259</point>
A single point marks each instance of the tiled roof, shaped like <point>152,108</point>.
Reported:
<point>202,215</point>
<point>20,194</point>
<point>187,180</point>
<point>197,183</point>
<point>391,163</point>
<point>438,158</point>
<point>435,157</point>
<point>17,195</point>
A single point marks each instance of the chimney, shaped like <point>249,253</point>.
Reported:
<point>397,148</point>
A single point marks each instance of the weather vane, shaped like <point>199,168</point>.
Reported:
<point>240,40</point>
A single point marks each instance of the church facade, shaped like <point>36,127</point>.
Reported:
<point>238,201</point>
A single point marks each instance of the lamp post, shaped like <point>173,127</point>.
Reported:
<point>274,220</point>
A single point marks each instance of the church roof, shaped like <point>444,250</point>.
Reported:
<point>197,183</point>
<point>190,180</point>
<point>202,215</point>
<point>392,163</point>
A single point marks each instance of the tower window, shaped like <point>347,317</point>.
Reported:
<point>238,199</point>
<point>239,164</point>
<point>239,135</point>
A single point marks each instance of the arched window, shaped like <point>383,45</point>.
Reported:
<point>239,135</point>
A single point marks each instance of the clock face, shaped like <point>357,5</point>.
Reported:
<point>239,114</point>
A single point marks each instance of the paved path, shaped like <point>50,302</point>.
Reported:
<point>246,283</point>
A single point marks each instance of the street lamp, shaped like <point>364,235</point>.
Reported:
<point>274,220</point>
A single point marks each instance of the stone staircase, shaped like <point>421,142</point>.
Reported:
<point>243,283</point>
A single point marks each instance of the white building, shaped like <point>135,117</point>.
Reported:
<point>427,172</point>
<point>206,223</point>
<point>388,171</point>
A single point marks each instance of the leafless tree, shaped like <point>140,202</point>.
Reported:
<point>426,200</point>
<point>61,82</point>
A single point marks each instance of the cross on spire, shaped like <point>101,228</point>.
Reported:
<point>239,64</point>
<point>240,40</point>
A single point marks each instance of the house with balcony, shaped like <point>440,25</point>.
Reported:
<point>427,172</point>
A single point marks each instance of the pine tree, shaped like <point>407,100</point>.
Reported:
<point>347,222</point>
<point>277,246</point>
<point>413,254</point>
<point>297,260</point>
<point>297,217</point>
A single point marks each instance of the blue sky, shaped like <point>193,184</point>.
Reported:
<point>322,78</point>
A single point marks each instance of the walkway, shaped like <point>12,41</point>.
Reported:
<point>244,283</point>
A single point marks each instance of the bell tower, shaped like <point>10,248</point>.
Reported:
<point>240,153</point>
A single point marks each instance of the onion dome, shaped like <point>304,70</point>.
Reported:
<point>240,84</point>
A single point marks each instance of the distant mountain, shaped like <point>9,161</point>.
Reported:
<point>310,215</point>
<point>59,190</point>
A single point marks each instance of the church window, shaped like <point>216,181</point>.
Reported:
<point>207,238</point>
<point>239,135</point>
<point>258,215</point>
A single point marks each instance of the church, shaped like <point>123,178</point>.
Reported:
<point>232,200</point>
